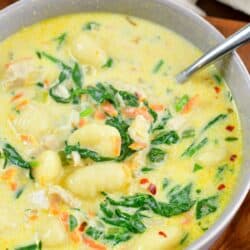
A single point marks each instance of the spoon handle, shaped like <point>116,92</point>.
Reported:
<point>231,43</point>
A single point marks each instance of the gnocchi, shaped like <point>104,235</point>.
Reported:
<point>95,136</point>
<point>89,181</point>
<point>49,168</point>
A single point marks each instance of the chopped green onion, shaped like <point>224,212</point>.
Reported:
<point>158,66</point>
<point>87,112</point>
<point>109,63</point>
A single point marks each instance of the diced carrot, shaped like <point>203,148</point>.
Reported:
<point>13,186</point>
<point>64,217</point>
<point>75,237</point>
<point>8,65</point>
<point>138,145</point>
<point>16,96</point>
<point>131,112</point>
<point>54,211</point>
<point>82,122</point>
<point>191,103</point>
<point>54,200</point>
<point>9,174</point>
<point>91,214</point>
<point>99,115</point>
<point>117,148</point>
<point>46,82</point>
<point>26,139</point>
<point>157,107</point>
<point>109,109</point>
<point>33,217</point>
<point>22,104</point>
<point>92,244</point>
<point>187,219</point>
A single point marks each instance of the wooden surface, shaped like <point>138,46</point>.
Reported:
<point>237,234</point>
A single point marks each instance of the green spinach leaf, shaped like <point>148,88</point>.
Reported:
<point>85,153</point>
<point>159,125</point>
<point>206,206</point>
<point>166,138</point>
<point>91,26</point>
<point>129,99</point>
<point>109,63</point>
<point>12,156</point>
<point>156,155</point>
<point>122,127</point>
<point>72,222</point>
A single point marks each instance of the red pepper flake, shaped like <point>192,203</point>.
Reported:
<point>217,89</point>
<point>144,181</point>
<point>233,157</point>
<point>82,226</point>
<point>221,187</point>
<point>161,233</point>
<point>230,128</point>
<point>152,189</point>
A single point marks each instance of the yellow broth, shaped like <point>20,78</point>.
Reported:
<point>100,148</point>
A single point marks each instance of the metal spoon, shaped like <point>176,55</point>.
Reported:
<point>234,41</point>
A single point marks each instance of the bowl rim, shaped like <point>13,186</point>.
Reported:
<point>233,206</point>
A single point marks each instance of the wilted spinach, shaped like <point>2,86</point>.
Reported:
<point>159,125</point>
<point>168,138</point>
<point>156,155</point>
<point>85,153</point>
<point>122,127</point>
<point>206,206</point>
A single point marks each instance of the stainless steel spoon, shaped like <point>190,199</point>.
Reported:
<point>234,41</point>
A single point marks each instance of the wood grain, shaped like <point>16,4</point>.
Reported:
<point>237,234</point>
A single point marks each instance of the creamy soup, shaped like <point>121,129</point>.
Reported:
<point>101,148</point>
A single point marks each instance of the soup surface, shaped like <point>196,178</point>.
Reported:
<point>100,148</point>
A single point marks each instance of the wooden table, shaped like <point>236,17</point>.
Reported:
<point>237,234</point>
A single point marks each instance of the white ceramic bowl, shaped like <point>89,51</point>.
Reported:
<point>183,22</point>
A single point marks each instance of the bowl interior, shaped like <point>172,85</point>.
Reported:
<point>183,22</point>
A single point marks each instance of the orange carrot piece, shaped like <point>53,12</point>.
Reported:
<point>91,243</point>
<point>117,148</point>
<point>75,237</point>
<point>157,107</point>
<point>9,174</point>
<point>26,139</point>
<point>13,186</point>
<point>64,217</point>
<point>82,122</point>
<point>8,65</point>
<point>16,96</point>
<point>22,104</point>
<point>133,112</point>
<point>138,145</point>
<point>33,217</point>
<point>109,109</point>
<point>191,103</point>
<point>99,115</point>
